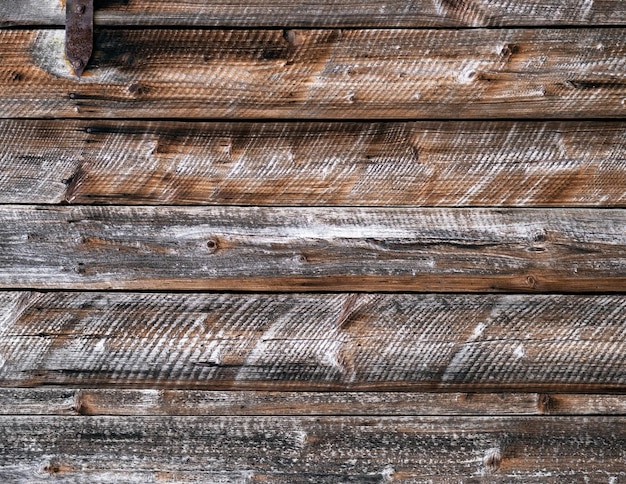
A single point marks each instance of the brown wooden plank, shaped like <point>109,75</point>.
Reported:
<point>326,13</point>
<point>120,402</point>
<point>305,74</point>
<point>278,249</point>
<point>367,164</point>
<point>312,342</point>
<point>306,449</point>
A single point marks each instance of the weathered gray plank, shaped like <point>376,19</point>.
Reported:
<point>260,249</point>
<point>38,401</point>
<point>326,13</point>
<point>312,342</point>
<point>304,449</point>
<point>371,164</point>
<point>304,74</point>
<point>120,402</point>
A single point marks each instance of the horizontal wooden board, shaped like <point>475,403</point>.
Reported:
<point>314,342</point>
<point>325,13</point>
<point>309,74</point>
<point>307,449</point>
<point>120,402</point>
<point>367,164</point>
<point>286,249</point>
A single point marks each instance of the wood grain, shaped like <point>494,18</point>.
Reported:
<point>326,13</point>
<point>313,342</point>
<point>127,402</point>
<point>367,164</point>
<point>286,249</point>
<point>314,74</point>
<point>306,449</point>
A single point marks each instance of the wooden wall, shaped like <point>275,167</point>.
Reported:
<point>330,241</point>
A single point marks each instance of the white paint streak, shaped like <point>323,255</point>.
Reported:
<point>331,356</point>
<point>586,6</point>
<point>519,351</point>
<point>439,8</point>
<point>260,350</point>
<point>478,330</point>
<point>461,357</point>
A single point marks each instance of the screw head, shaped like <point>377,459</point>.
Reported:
<point>80,9</point>
<point>77,63</point>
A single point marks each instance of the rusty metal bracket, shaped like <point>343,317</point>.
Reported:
<point>78,33</point>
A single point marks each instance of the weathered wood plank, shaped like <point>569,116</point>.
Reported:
<point>305,74</point>
<point>227,403</point>
<point>370,164</point>
<point>306,449</point>
<point>303,342</point>
<point>326,13</point>
<point>120,402</point>
<point>278,249</point>
<point>38,401</point>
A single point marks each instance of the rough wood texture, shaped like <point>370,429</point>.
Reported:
<point>39,401</point>
<point>271,249</point>
<point>313,342</point>
<point>399,74</point>
<point>326,13</point>
<point>120,402</point>
<point>306,449</point>
<point>370,164</point>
